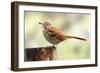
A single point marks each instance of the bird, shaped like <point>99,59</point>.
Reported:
<point>54,35</point>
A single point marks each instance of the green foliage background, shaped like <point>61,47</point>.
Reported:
<point>70,23</point>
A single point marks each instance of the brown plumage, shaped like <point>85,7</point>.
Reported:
<point>54,35</point>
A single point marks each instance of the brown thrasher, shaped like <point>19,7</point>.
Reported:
<point>54,35</point>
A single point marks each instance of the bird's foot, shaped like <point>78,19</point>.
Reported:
<point>53,46</point>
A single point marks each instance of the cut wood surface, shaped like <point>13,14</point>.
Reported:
<point>40,53</point>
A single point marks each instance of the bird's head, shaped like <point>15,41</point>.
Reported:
<point>45,24</point>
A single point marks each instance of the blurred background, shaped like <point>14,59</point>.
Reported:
<point>74,24</point>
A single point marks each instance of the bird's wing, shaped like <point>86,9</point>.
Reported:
<point>57,32</point>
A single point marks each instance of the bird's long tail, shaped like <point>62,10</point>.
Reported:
<point>79,38</point>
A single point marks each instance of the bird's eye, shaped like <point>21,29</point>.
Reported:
<point>46,27</point>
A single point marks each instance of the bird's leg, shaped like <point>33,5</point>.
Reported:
<point>53,46</point>
<point>54,52</point>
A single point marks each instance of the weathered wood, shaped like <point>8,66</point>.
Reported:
<point>40,53</point>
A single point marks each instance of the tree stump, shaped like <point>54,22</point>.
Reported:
<point>40,54</point>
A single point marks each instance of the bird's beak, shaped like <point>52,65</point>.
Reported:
<point>40,23</point>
